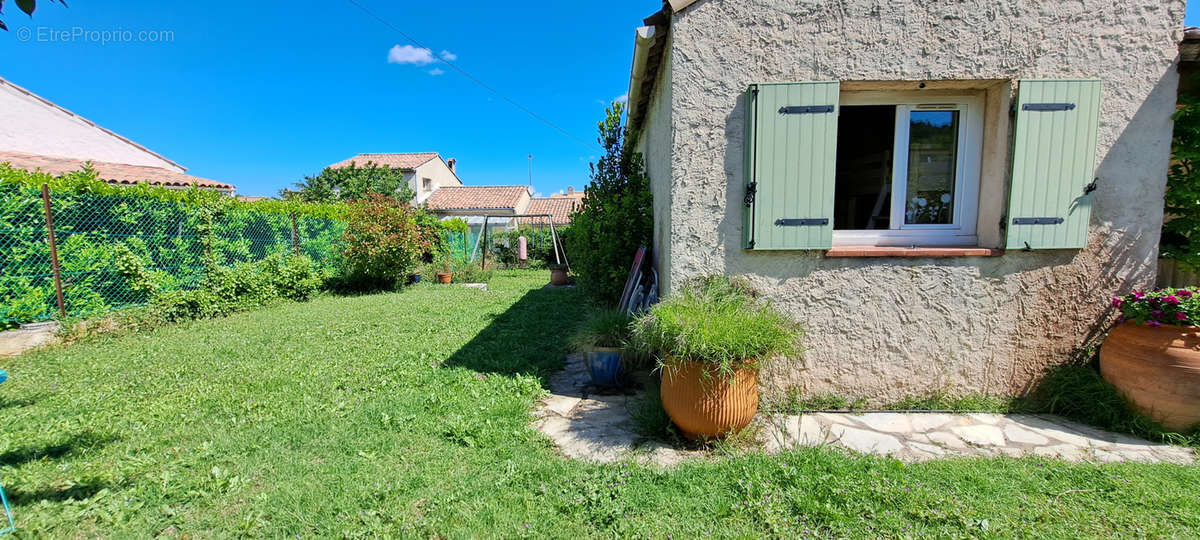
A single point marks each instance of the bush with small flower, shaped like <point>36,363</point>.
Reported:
<point>1177,307</point>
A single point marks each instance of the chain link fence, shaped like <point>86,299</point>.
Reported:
<point>109,246</point>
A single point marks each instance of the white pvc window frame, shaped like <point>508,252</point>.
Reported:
<point>961,231</point>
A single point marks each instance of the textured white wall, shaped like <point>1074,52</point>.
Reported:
<point>655,145</point>
<point>31,126</point>
<point>883,328</point>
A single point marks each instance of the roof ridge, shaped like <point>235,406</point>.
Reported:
<point>23,90</point>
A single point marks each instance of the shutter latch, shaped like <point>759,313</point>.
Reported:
<point>751,192</point>
<point>1090,187</point>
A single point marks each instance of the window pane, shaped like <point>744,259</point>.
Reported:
<point>863,186</point>
<point>932,165</point>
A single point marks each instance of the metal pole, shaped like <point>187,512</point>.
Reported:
<point>554,238</point>
<point>483,261</point>
<point>58,289</point>
<point>295,237</point>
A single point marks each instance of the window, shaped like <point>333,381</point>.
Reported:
<point>426,184</point>
<point>900,168</point>
<point>907,169</point>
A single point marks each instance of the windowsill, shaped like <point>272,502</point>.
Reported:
<point>875,251</point>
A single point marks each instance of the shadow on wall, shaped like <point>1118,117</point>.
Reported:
<point>528,338</point>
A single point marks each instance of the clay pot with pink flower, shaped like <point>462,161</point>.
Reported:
<point>1153,356</point>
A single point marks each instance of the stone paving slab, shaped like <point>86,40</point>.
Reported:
<point>592,424</point>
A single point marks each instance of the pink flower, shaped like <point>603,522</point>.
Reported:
<point>1117,301</point>
<point>1184,293</point>
<point>1171,299</point>
<point>1153,324</point>
<point>1181,316</point>
<point>1138,295</point>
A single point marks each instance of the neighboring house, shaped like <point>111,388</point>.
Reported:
<point>37,134</point>
<point>558,207</point>
<point>912,180</point>
<point>577,196</point>
<point>425,172</point>
<point>473,203</point>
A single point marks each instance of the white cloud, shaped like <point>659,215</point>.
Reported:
<point>448,56</point>
<point>436,71</point>
<point>410,55</point>
<point>623,98</point>
<point>539,195</point>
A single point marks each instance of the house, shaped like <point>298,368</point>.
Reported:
<point>473,203</point>
<point>577,196</point>
<point>36,134</point>
<point>946,194</point>
<point>559,208</point>
<point>425,172</point>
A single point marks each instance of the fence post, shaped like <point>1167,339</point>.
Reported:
<point>58,289</point>
<point>295,237</point>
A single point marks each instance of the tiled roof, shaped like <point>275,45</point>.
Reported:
<point>477,197</point>
<point>395,161</point>
<point>113,173</point>
<point>559,207</point>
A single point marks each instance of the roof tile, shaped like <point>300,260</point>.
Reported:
<point>395,161</point>
<point>559,207</point>
<point>477,198</point>
<point>113,173</point>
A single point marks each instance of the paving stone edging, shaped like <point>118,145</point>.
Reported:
<point>589,425</point>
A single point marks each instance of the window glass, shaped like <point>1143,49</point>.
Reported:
<point>932,167</point>
<point>863,183</point>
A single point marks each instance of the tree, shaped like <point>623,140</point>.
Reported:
<point>1181,231</point>
<point>28,6</point>
<point>616,215</point>
<point>351,183</point>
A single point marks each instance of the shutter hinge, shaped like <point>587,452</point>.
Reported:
<point>1090,187</point>
<point>1038,221</point>
<point>806,109</point>
<point>1027,247</point>
<point>801,222</point>
<point>751,193</point>
<point>1048,107</point>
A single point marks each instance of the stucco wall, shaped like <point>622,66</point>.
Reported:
<point>29,125</point>
<point>435,170</point>
<point>884,328</point>
<point>655,145</point>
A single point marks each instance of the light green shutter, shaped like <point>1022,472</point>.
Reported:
<point>1054,160</point>
<point>791,145</point>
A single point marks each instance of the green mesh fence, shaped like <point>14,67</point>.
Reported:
<point>458,245</point>
<point>104,241</point>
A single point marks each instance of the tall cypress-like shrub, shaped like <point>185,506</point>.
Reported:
<point>616,215</point>
<point>1181,230</point>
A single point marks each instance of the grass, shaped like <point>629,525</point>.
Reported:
<point>407,414</point>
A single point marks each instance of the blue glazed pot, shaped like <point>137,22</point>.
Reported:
<point>604,366</point>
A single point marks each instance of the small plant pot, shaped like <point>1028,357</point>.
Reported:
<point>414,278</point>
<point>444,277</point>
<point>1157,370</point>
<point>558,276</point>
<point>703,404</point>
<point>604,366</point>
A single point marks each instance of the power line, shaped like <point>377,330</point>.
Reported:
<point>464,73</point>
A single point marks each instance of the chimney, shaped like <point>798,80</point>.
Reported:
<point>570,190</point>
<point>451,163</point>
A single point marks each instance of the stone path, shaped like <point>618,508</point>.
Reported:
<point>588,424</point>
<point>26,338</point>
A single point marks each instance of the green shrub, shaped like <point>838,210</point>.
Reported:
<point>472,273</point>
<point>616,215</point>
<point>718,321</point>
<point>385,240</point>
<point>606,328</point>
<point>1181,230</point>
<point>352,183</point>
<point>239,288</point>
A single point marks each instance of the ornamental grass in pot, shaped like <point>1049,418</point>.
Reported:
<point>709,340</point>
<point>602,340</point>
<point>1153,356</point>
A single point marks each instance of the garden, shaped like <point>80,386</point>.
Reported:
<point>300,368</point>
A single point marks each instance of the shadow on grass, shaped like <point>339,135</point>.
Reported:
<point>72,492</point>
<point>528,338</point>
<point>74,444</point>
<point>8,403</point>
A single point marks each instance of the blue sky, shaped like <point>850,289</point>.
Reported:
<point>262,93</point>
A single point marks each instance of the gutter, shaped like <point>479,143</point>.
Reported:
<point>643,41</point>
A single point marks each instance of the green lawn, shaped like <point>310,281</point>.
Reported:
<point>408,413</point>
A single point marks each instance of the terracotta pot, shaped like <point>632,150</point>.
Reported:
<point>444,277</point>
<point>1157,370</point>
<point>708,406</point>
<point>558,276</point>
